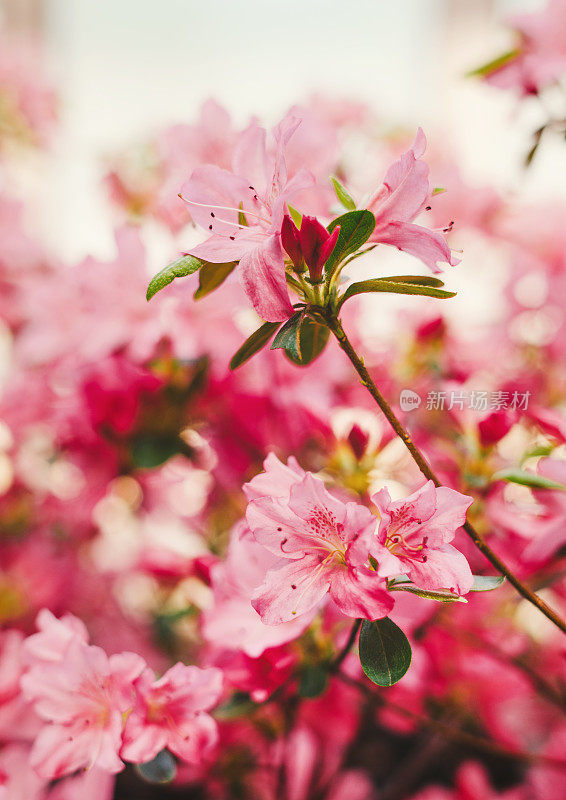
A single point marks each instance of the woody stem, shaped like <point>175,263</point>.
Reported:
<point>336,663</point>
<point>335,326</point>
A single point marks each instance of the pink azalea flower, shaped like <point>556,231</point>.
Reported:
<point>232,622</point>
<point>323,546</point>
<point>414,534</point>
<point>404,194</point>
<point>170,712</point>
<point>215,197</point>
<point>539,59</point>
<point>82,699</point>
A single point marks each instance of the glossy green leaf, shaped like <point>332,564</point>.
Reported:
<point>343,196</point>
<point>395,287</point>
<point>485,583</point>
<point>313,338</point>
<point>355,229</point>
<point>180,268</point>
<point>385,652</point>
<point>211,276</point>
<point>525,478</point>
<point>288,336</point>
<point>440,597</point>
<point>161,769</point>
<point>404,584</point>
<point>254,344</point>
<point>417,280</point>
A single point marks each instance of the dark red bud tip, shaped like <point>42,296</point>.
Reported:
<point>290,240</point>
<point>329,245</point>
<point>358,441</point>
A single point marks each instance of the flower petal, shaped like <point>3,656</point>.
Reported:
<point>262,275</point>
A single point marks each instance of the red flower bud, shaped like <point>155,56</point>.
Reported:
<point>311,245</point>
<point>358,441</point>
<point>290,241</point>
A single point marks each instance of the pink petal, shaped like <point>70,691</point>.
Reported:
<point>450,515</point>
<point>429,246</point>
<point>360,593</point>
<point>277,528</point>
<point>445,568</point>
<point>222,249</point>
<point>191,741</point>
<point>291,590</point>
<point>209,187</point>
<point>142,742</point>
<point>276,480</point>
<point>250,157</point>
<point>405,188</point>
<point>262,276</point>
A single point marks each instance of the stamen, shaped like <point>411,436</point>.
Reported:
<point>226,208</point>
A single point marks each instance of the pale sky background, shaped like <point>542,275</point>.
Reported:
<point>126,68</point>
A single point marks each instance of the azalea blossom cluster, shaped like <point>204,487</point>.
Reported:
<point>217,556</point>
<point>535,65</point>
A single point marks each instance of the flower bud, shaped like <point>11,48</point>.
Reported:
<point>290,241</point>
<point>311,245</point>
<point>358,441</point>
<point>316,245</point>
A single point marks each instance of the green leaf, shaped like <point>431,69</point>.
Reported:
<point>296,216</point>
<point>440,597</point>
<point>396,287</point>
<point>239,705</point>
<point>313,338</point>
<point>343,196</point>
<point>288,336</point>
<point>494,64</point>
<point>417,280</point>
<point>355,229</point>
<point>254,343</point>
<point>151,451</point>
<point>161,769</point>
<point>181,267</point>
<point>242,217</point>
<point>211,276</point>
<point>385,652</point>
<point>314,680</point>
<point>485,583</point>
<point>525,478</point>
<point>438,190</point>
<point>403,584</point>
